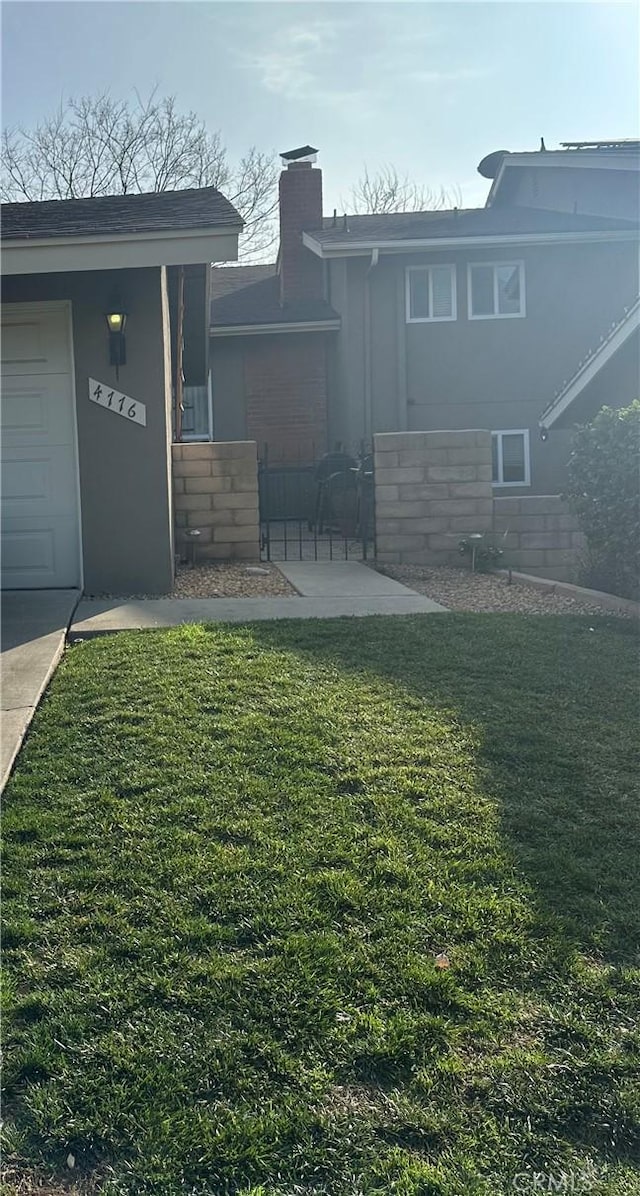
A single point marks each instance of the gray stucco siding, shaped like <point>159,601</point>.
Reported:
<point>227,381</point>
<point>492,373</point>
<point>125,494</point>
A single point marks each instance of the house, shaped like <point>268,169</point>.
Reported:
<point>477,318</point>
<point>87,402</point>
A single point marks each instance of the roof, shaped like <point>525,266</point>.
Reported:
<point>246,296</point>
<point>226,280</point>
<point>570,152</point>
<point>591,365</point>
<point>110,215</point>
<point>464,222</point>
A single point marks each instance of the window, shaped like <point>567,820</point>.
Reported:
<point>430,293</point>
<point>510,458</point>
<point>495,290</point>
<point>196,412</point>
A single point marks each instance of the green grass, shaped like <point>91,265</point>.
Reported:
<point>231,857</point>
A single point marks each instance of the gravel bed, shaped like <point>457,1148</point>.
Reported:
<point>459,589</point>
<point>221,580</point>
<point>227,580</point>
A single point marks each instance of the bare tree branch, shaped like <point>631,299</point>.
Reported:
<point>387,191</point>
<point>98,145</point>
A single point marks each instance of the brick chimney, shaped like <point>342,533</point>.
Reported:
<point>301,273</point>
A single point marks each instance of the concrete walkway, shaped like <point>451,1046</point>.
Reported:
<point>34,625</point>
<point>328,590</point>
<point>342,579</point>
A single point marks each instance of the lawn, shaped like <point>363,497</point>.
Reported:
<point>233,861</point>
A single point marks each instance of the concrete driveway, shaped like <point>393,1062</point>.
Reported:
<point>34,626</point>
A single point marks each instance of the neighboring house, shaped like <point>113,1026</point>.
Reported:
<point>86,491</point>
<point>461,319</point>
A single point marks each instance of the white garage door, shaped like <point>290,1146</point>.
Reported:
<point>40,522</point>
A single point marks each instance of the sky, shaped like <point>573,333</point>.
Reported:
<point>430,88</point>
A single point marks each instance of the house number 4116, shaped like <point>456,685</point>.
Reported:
<point>113,400</point>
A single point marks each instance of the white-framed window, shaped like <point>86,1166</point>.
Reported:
<point>430,294</point>
<point>510,457</point>
<point>495,290</point>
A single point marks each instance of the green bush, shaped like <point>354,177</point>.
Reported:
<point>604,492</point>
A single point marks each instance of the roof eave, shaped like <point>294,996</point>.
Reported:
<point>361,248</point>
<point>114,251</point>
<point>589,369</point>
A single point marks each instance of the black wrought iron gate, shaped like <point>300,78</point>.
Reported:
<point>317,511</point>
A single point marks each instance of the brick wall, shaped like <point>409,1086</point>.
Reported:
<point>431,488</point>
<point>286,395</point>
<point>215,489</point>
<point>543,536</point>
<point>300,196</point>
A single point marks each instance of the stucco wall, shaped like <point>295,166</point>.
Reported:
<point>127,533</point>
<point>227,385</point>
<point>431,489</point>
<point>494,373</point>
<point>216,492</point>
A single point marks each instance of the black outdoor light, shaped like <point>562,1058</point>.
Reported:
<point>116,318</point>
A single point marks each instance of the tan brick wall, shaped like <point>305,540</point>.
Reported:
<point>431,489</point>
<point>543,536</point>
<point>215,488</point>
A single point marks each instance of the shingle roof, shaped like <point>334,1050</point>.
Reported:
<point>227,279</point>
<point>251,295</point>
<point>466,222</point>
<point>158,211</point>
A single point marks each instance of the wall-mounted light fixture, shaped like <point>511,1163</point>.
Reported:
<point>116,318</point>
<point>544,432</point>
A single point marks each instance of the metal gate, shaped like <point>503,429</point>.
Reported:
<point>317,511</point>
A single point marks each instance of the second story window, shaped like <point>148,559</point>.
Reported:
<point>496,290</point>
<point>430,294</point>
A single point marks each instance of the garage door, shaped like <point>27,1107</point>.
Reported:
<point>40,520</point>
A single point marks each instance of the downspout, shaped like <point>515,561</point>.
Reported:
<point>368,371</point>
<point>210,406</point>
<point>179,357</point>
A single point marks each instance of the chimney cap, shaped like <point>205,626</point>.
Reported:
<point>306,153</point>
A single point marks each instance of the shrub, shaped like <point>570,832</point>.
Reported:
<point>604,492</point>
